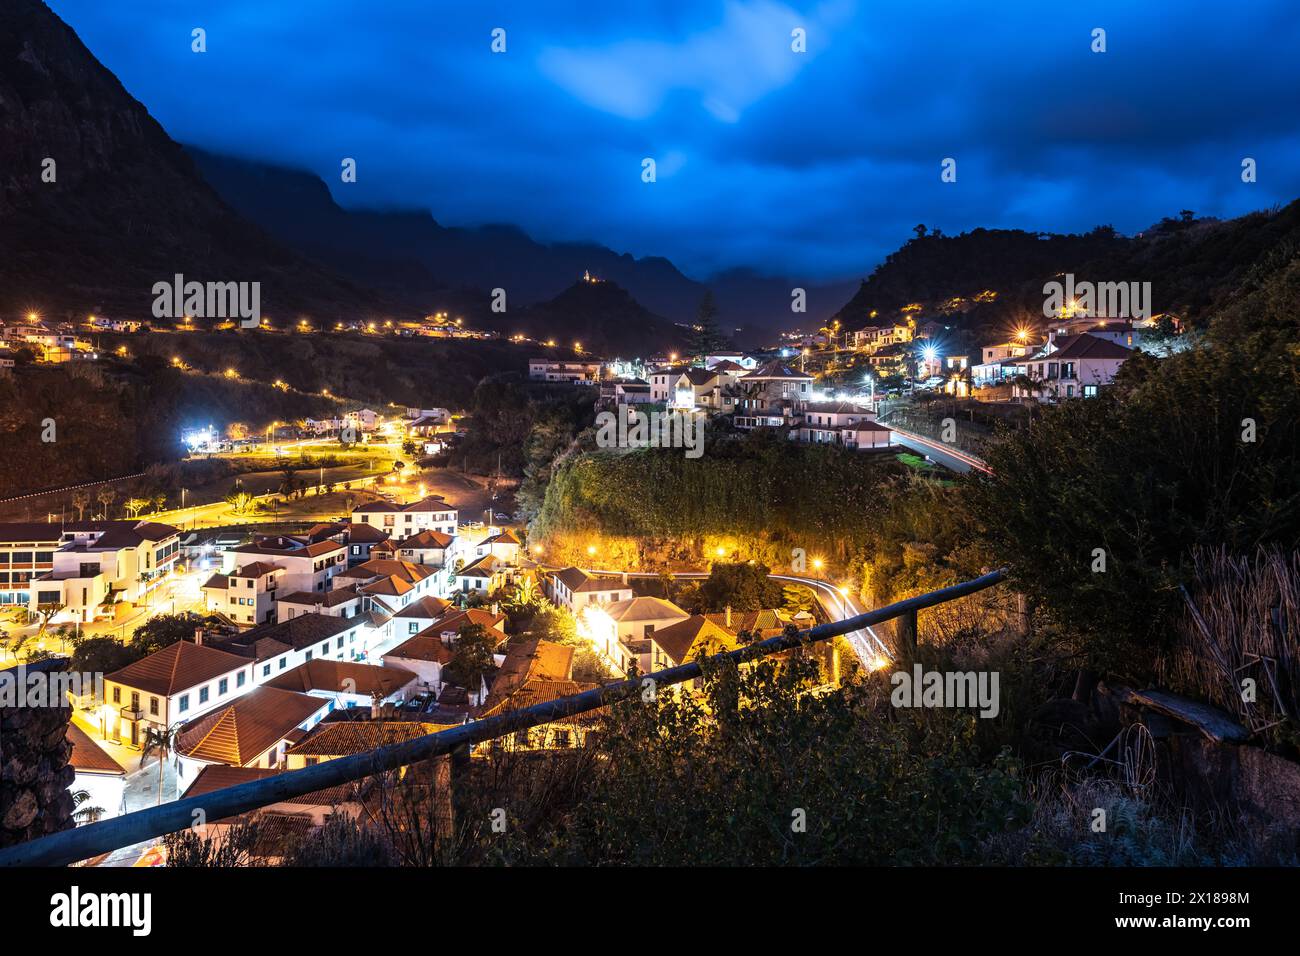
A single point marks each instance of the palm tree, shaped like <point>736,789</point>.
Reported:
<point>288,481</point>
<point>161,742</point>
<point>666,580</point>
<point>81,501</point>
<point>84,814</point>
<point>525,593</point>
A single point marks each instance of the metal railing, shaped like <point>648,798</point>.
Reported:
<point>70,846</point>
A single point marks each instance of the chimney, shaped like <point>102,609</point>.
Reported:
<point>728,613</point>
<point>198,636</point>
<point>495,606</point>
<point>624,579</point>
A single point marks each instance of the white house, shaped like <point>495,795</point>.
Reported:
<point>247,595</point>
<point>84,567</point>
<point>574,371</point>
<point>307,566</point>
<point>402,521</point>
<point>1071,367</point>
<point>275,648</point>
<point>342,602</point>
<point>574,589</point>
<point>98,775</point>
<point>177,683</point>
<point>253,731</point>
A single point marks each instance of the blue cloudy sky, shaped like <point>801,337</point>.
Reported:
<point>814,164</point>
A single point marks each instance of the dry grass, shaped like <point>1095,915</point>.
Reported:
<point>1242,623</point>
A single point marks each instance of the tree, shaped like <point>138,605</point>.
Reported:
<point>289,481</point>
<point>14,640</point>
<point>101,655</point>
<point>1201,448</point>
<point>46,612</point>
<point>666,580</point>
<point>240,501</point>
<point>554,623</point>
<point>741,586</point>
<point>524,595</point>
<point>81,501</point>
<point>707,337</point>
<point>920,230</point>
<point>82,813</point>
<point>471,658</point>
<point>164,630</point>
<point>160,742</point>
<point>134,506</point>
<point>105,495</point>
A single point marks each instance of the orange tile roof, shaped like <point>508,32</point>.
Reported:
<point>428,606</point>
<point>341,738</point>
<point>423,647</point>
<point>88,756</point>
<point>247,727</point>
<point>342,676</point>
<point>176,668</point>
<point>681,640</point>
<point>220,776</point>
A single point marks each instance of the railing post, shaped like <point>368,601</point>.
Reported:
<point>905,628</point>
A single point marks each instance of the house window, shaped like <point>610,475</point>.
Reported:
<point>117,695</point>
<point>1090,391</point>
<point>239,679</point>
<point>203,695</point>
<point>307,656</point>
<point>223,686</point>
<point>183,704</point>
<point>283,662</point>
<point>312,761</point>
<point>153,706</point>
<point>266,670</point>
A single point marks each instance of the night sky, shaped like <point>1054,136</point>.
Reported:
<point>813,165</point>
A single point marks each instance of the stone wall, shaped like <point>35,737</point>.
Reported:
<point>34,771</point>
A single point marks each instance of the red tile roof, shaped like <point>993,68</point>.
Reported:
<point>176,668</point>
<point>88,756</point>
<point>343,738</point>
<point>342,677</point>
<point>247,727</point>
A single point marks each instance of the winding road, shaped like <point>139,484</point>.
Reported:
<point>838,606</point>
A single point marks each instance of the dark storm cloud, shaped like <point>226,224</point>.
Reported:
<point>815,164</point>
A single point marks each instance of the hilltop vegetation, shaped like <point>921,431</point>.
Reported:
<point>1196,268</point>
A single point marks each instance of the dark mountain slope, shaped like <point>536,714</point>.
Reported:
<point>398,249</point>
<point>128,208</point>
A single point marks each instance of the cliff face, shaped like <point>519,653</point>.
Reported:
<point>126,207</point>
<point>34,772</point>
